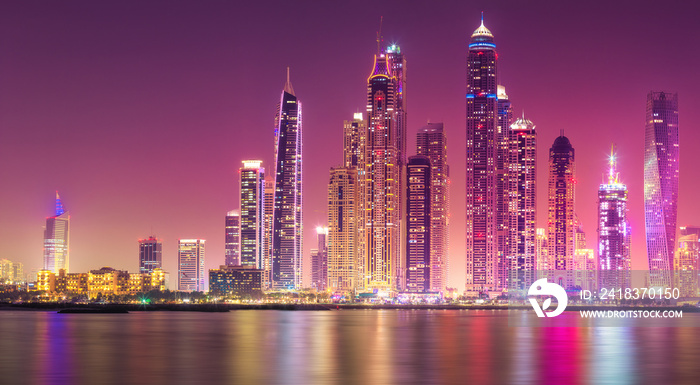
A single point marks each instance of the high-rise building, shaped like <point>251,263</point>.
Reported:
<point>661,159</point>
<point>233,238</point>
<point>381,189</point>
<point>482,120</point>
<point>431,141</point>
<point>268,214</point>
<point>287,231</point>
<point>687,263</point>
<point>505,212</point>
<point>343,261</point>
<point>522,200</point>
<point>561,217</point>
<point>418,222</point>
<point>354,132</point>
<point>190,254</point>
<point>252,203</point>
<point>57,239</point>
<point>543,262</point>
<point>319,261</point>
<point>614,235</point>
<point>150,254</point>
<point>11,272</point>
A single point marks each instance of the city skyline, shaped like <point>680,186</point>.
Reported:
<point>168,209</point>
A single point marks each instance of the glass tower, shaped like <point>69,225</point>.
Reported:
<point>418,228</point>
<point>287,231</point>
<point>56,239</point>
<point>150,255</point>
<point>561,218</point>
<point>252,203</point>
<point>233,238</point>
<point>661,184</point>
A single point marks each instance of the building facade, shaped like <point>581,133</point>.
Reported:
<point>661,159</point>
<point>237,281</point>
<point>431,141</point>
<point>287,230</point>
<point>150,254</point>
<point>232,256</point>
<point>418,224</point>
<point>252,214</point>
<point>319,261</point>
<point>343,261</point>
<point>57,239</point>
<point>190,275</point>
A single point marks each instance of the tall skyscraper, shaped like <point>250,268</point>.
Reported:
<point>252,203</point>
<point>614,260</point>
<point>561,217</point>
<point>150,255</point>
<point>287,231</point>
<point>354,132</point>
<point>482,120</point>
<point>190,254</point>
<point>522,199</point>
<point>57,239</point>
<point>381,195</point>
<point>319,261</point>
<point>543,262</point>
<point>661,159</point>
<point>268,214</point>
<point>233,238</point>
<point>431,141</point>
<point>687,264</point>
<point>505,212</point>
<point>343,260</point>
<point>418,222</point>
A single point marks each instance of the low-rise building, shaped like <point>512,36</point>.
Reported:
<point>236,281</point>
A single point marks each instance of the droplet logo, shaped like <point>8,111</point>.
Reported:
<point>542,287</point>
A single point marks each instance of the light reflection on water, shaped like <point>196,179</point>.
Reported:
<point>344,346</point>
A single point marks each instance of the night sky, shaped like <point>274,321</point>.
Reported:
<point>140,113</point>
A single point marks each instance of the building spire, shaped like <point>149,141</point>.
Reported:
<point>379,35</point>
<point>288,85</point>
<point>612,174</point>
<point>59,205</point>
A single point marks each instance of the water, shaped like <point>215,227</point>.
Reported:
<point>343,346</point>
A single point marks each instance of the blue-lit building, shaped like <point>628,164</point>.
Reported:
<point>57,239</point>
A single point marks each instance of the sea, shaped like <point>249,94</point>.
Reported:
<point>361,346</point>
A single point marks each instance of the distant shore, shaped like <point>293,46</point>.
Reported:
<point>225,307</point>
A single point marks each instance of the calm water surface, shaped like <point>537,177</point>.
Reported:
<point>344,346</point>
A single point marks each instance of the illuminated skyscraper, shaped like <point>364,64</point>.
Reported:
<point>561,218</point>
<point>252,203</point>
<point>614,260</point>
<point>150,255</point>
<point>268,214</point>
<point>482,120</point>
<point>57,239</point>
<point>233,238</point>
<point>522,202</point>
<point>381,195</point>
<point>343,260</point>
<point>354,132</point>
<point>287,231</point>
<point>418,222</point>
<point>319,261</point>
<point>505,211</point>
<point>431,141</point>
<point>661,158</point>
<point>190,254</point>
<point>543,262</point>
<point>687,264</point>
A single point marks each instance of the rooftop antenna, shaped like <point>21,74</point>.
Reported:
<point>379,34</point>
<point>482,18</point>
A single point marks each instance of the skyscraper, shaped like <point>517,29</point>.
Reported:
<point>418,222</point>
<point>57,239</point>
<point>343,261</point>
<point>482,119</point>
<point>505,212</point>
<point>252,203</point>
<point>354,132</point>
<point>561,217</point>
<point>150,255</point>
<point>687,264</point>
<point>522,198</point>
<point>233,238</point>
<point>661,158</point>
<point>381,195</point>
<point>190,254</point>
<point>268,214</point>
<point>319,261</point>
<point>614,260</point>
<point>287,231</point>
<point>431,141</point>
